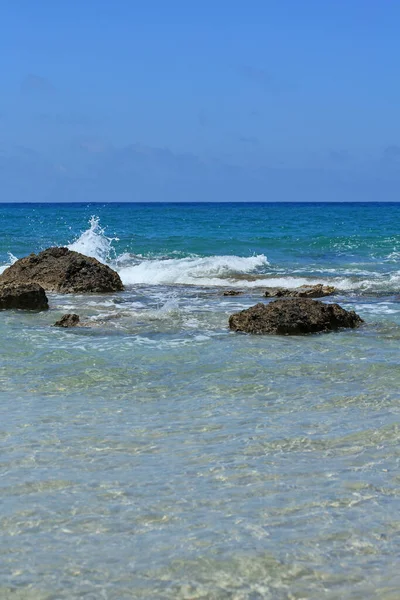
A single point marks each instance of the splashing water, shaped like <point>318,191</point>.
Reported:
<point>172,268</point>
<point>211,270</point>
<point>11,260</point>
<point>171,305</point>
<point>93,242</point>
<point>245,272</point>
<point>208,271</point>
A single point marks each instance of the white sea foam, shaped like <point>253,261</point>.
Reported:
<point>393,257</point>
<point>235,271</point>
<point>11,260</point>
<point>93,242</point>
<point>203,271</point>
<point>137,269</point>
<point>213,271</point>
<point>171,305</point>
<point>380,308</point>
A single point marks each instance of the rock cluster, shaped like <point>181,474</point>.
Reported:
<point>296,316</point>
<point>27,296</point>
<point>65,271</point>
<point>304,291</point>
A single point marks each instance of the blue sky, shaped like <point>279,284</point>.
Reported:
<point>165,100</point>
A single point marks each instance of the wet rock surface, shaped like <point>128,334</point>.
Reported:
<point>68,320</point>
<point>296,316</point>
<point>305,291</point>
<point>65,271</point>
<point>26,296</point>
<point>232,293</point>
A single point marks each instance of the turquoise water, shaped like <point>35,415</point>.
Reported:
<point>154,454</point>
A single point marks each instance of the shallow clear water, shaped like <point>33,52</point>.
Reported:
<point>154,454</point>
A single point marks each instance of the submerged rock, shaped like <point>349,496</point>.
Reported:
<point>65,271</point>
<point>27,296</point>
<point>296,316</point>
<point>304,291</point>
<point>232,293</point>
<point>68,320</point>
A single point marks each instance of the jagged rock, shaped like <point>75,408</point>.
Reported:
<point>304,291</point>
<point>65,271</point>
<point>296,316</point>
<point>278,292</point>
<point>28,296</point>
<point>68,320</point>
<point>232,293</point>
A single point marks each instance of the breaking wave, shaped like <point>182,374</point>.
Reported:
<point>11,260</point>
<point>193,270</point>
<point>211,270</point>
<point>222,270</point>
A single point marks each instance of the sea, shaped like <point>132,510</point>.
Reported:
<point>154,454</point>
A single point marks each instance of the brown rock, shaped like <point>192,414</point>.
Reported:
<point>232,293</point>
<point>65,271</point>
<point>304,291</point>
<point>295,316</point>
<point>277,292</point>
<point>68,320</point>
<point>27,296</point>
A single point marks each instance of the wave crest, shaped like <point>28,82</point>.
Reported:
<point>204,271</point>
<point>222,270</point>
<point>191,270</point>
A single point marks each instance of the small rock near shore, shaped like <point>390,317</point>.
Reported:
<point>296,316</point>
<point>232,293</point>
<point>68,320</point>
<point>26,296</point>
<point>304,291</point>
<point>65,271</point>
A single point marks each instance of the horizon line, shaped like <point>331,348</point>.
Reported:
<point>206,202</point>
